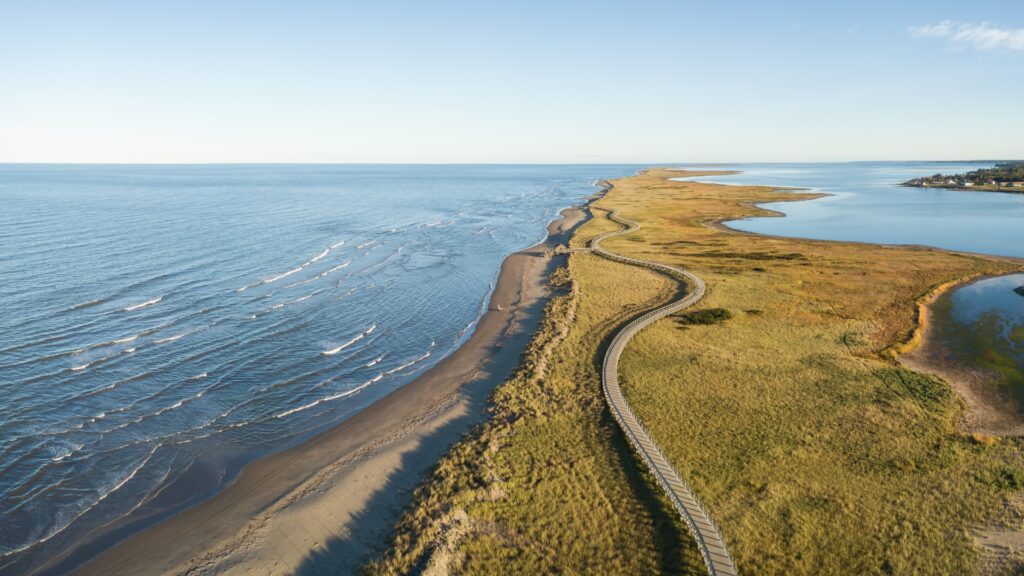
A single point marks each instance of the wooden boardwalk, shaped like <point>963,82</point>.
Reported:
<point>705,531</point>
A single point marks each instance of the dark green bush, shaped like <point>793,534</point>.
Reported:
<point>703,317</point>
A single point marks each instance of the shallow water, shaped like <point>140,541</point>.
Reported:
<point>157,315</point>
<point>981,324</point>
<point>867,205</point>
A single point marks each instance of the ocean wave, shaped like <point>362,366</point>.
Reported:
<point>178,404</point>
<point>357,338</point>
<point>69,449</point>
<point>295,270</point>
<point>80,367</point>
<point>317,257</point>
<point>337,396</point>
<point>199,376</point>
<point>143,304</point>
<point>171,338</point>
<point>338,267</point>
<point>410,363</point>
<point>88,304</point>
<point>103,496</point>
<point>336,244</point>
<point>74,352</point>
<point>280,276</point>
<point>375,361</point>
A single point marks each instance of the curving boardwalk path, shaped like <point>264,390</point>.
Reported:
<point>705,531</point>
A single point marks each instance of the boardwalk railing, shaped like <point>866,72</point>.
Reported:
<point>705,531</point>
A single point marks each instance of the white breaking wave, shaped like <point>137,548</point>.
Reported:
<point>199,376</point>
<point>70,449</point>
<point>357,338</point>
<point>144,304</point>
<point>338,267</point>
<point>96,502</point>
<point>280,276</point>
<point>410,363</point>
<point>293,270</point>
<point>126,340</point>
<point>317,257</point>
<point>79,367</point>
<point>374,362</point>
<point>337,396</point>
<point>170,338</point>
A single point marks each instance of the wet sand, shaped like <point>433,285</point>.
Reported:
<point>988,410</point>
<point>326,504</point>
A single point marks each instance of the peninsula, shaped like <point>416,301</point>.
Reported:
<point>789,416</point>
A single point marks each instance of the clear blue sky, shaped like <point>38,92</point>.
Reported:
<point>489,81</point>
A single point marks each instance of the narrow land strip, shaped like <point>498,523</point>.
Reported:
<point>706,533</point>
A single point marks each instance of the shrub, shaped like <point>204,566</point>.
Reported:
<point>704,317</point>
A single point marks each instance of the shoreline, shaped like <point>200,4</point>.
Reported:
<point>919,350</point>
<point>323,488</point>
<point>808,194</point>
<point>985,412</point>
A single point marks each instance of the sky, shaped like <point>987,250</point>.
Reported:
<point>519,82</point>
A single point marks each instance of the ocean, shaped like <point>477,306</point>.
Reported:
<point>168,320</point>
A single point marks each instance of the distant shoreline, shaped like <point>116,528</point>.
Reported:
<point>965,188</point>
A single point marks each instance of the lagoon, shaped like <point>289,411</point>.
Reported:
<point>866,204</point>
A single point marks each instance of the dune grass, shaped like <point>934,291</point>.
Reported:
<point>781,404</point>
<point>547,485</point>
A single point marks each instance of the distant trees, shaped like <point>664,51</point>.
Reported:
<point>1002,175</point>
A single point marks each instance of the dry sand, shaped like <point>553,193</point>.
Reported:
<point>326,504</point>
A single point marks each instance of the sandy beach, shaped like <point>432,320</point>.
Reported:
<point>323,505</point>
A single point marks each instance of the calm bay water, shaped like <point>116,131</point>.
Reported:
<point>982,324</point>
<point>156,316</point>
<point>866,205</point>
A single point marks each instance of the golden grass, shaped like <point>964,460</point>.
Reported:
<point>813,450</point>
<point>546,485</point>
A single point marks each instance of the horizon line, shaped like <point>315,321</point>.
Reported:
<point>596,163</point>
